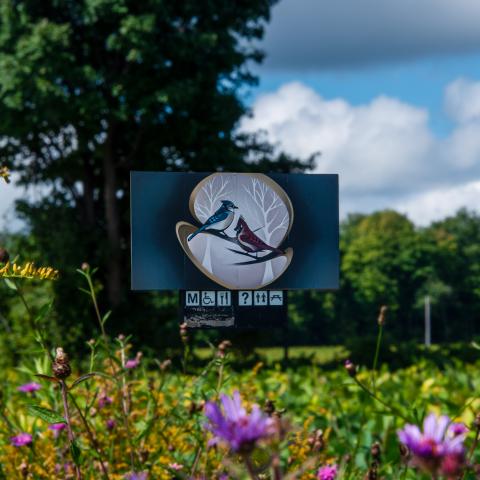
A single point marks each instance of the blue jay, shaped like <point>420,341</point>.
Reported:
<point>219,221</point>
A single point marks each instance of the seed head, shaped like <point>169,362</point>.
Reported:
<point>61,366</point>
<point>4,256</point>
<point>382,315</point>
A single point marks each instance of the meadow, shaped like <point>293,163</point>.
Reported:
<point>116,414</point>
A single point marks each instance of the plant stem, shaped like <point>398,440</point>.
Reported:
<point>93,441</point>
<point>386,405</point>
<point>250,469</point>
<point>377,353</point>
<point>120,384</point>
<point>71,436</point>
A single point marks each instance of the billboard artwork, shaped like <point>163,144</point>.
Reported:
<point>241,224</point>
<point>236,231</point>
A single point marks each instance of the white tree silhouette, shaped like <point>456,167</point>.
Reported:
<point>208,200</point>
<point>272,216</point>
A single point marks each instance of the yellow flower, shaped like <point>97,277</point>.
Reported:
<point>28,270</point>
<point>5,174</point>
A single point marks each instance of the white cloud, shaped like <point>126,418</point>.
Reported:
<point>385,151</point>
<point>309,34</point>
<point>437,204</point>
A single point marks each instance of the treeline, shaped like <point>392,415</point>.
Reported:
<point>387,260</point>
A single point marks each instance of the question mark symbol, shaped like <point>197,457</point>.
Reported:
<point>245,296</point>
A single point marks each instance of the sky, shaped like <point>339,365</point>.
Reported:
<point>388,91</point>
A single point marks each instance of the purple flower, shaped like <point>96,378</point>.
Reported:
<point>111,423</point>
<point>132,363</point>
<point>104,400</point>
<point>234,426</point>
<point>458,429</point>
<point>136,476</point>
<point>57,428</point>
<point>440,441</point>
<point>328,472</point>
<point>29,387</point>
<point>21,439</point>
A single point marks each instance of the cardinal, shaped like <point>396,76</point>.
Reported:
<point>250,242</point>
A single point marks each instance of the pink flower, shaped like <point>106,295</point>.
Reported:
<point>57,428</point>
<point>234,426</point>
<point>21,439</point>
<point>134,362</point>
<point>104,400</point>
<point>175,466</point>
<point>328,472</point>
<point>29,387</point>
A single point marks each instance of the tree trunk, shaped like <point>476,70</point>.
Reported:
<point>114,270</point>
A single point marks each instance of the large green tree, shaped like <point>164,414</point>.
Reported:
<point>91,89</point>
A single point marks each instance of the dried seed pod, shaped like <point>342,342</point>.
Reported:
<point>61,366</point>
<point>4,255</point>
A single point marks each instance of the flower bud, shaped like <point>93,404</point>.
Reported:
<point>382,315</point>
<point>376,451</point>
<point>85,266</point>
<point>351,368</point>
<point>61,366</point>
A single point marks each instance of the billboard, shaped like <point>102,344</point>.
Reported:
<point>236,231</point>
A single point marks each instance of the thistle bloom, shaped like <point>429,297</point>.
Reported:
<point>234,426</point>
<point>21,439</point>
<point>29,387</point>
<point>328,472</point>
<point>439,448</point>
<point>133,362</point>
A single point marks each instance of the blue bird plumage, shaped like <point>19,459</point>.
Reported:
<point>219,221</point>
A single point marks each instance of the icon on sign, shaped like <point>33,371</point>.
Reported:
<point>261,298</point>
<point>245,298</point>
<point>192,299</point>
<point>276,297</point>
<point>208,299</point>
<point>224,299</point>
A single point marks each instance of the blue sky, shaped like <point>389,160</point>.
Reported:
<point>419,81</point>
<point>388,91</point>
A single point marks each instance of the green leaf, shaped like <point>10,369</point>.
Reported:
<point>45,414</point>
<point>82,379</point>
<point>76,453</point>
<point>10,284</point>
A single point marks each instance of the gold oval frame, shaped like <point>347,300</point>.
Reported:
<point>184,229</point>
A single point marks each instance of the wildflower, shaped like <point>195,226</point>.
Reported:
<point>111,424</point>
<point>328,472</point>
<point>175,466</point>
<point>30,387</point>
<point>136,476</point>
<point>28,270</point>
<point>437,448</point>
<point>21,439</point>
<point>104,400</point>
<point>56,428</point>
<point>133,362</point>
<point>5,174</point>
<point>351,368</point>
<point>458,429</point>
<point>235,426</point>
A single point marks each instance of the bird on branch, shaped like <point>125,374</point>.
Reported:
<point>249,241</point>
<point>219,221</point>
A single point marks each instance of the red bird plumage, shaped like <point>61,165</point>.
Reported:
<point>250,242</point>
